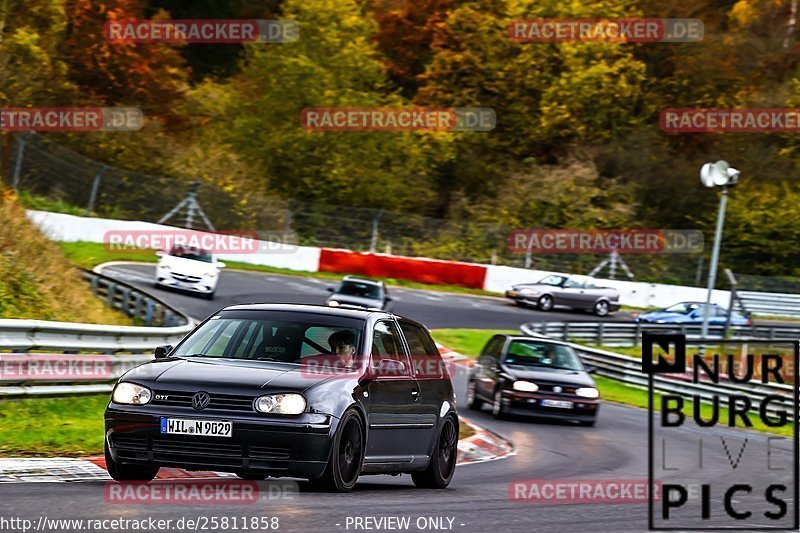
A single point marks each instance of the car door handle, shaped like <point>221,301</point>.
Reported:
<point>415,394</point>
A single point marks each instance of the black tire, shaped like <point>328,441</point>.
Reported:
<point>545,303</point>
<point>587,423</point>
<point>251,476</point>
<point>601,308</point>
<point>347,456</point>
<point>498,411</point>
<point>209,296</point>
<point>443,461</point>
<point>120,472</point>
<point>473,402</point>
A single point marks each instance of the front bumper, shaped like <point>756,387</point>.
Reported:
<point>526,403</point>
<point>202,285</point>
<point>297,447</point>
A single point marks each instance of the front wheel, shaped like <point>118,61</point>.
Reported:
<point>545,303</point>
<point>443,462</point>
<point>473,402</point>
<point>347,455</point>
<point>497,405</point>
<point>601,308</point>
<point>121,472</point>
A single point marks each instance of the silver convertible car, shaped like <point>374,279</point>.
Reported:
<point>577,292</point>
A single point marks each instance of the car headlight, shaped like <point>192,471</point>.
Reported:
<point>210,275</point>
<point>280,404</point>
<point>529,292</point>
<point>525,386</point>
<point>165,267</point>
<point>588,392</point>
<point>333,303</point>
<point>131,394</point>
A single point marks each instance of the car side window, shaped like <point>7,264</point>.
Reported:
<point>494,346</point>
<point>386,344</point>
<point>572,284</point>
<point>424,355</point>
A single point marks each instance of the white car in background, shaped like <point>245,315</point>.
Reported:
<point>188,269</point>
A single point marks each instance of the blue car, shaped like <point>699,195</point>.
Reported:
<point>692,313</point>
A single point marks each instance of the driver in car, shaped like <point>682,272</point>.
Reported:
<point>341,357</point>
<point>343,344</point>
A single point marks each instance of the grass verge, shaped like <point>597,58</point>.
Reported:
<point>46,427</point>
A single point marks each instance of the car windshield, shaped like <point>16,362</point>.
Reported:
<point>191,253</point>
<point>543,354</point>
<point>359,289</point>
<point>682,308</point>
<point>270,338</point>
<point>552,280</point>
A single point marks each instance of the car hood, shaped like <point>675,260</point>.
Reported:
<point>188,266</point>
<point>355,300</point>
<point>549,375</point>
<point>227,376</point>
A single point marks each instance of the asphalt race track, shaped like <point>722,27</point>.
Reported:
<point>433,308</point>
<point>477,500</point>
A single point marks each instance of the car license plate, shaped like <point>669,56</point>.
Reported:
<point>204,428</point>
<point>557,403</point>
<point>512,294</point>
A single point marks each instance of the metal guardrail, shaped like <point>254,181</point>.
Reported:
<point>33,344</point>
<point>630,333</point>
<point>134,302</point>
<point>629,370</point>
<point>770,304</point>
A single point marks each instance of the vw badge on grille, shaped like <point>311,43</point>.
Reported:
<point>557,389</point>
<point>201,400</point>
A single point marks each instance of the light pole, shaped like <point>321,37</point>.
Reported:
<point>718,174</point>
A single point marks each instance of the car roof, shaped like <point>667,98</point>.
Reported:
<point>528,338</point>
<point>349,312</point>
<point>362,280</point>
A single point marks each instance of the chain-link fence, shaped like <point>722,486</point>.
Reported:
<point>40,167</point>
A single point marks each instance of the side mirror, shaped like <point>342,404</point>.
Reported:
<point>591,369</point>
<point>161,352</point>
<point>329,289</point>
<point>220,264</point>
<point>388,299</point>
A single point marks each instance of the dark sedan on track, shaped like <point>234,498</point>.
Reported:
<point>532,376</point>
<point>321,393</point>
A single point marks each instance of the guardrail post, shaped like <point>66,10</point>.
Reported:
<point>150,308</point>
<point>95,282</point>
<point>638,335</point>
<point>137,304</point>
<point>565,336</point>
<point>112,289</point>
<point>601,333</point>
<point>125,304</point>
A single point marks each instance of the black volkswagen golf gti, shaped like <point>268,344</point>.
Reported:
<point>314,392</point>
<point>533,376</point>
